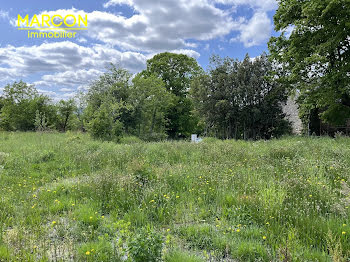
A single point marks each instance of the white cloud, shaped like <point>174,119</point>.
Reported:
<point>190,53</point>
<point>156,25</point>
<point>263,5</point>
<point>4,14</point>
<point>82,40</point>
<point>163,25</point>
<point>117,2</point>
<point>66,90</point>
<point>67,66</point>
<point>69,78</point>
<point>65,56</point>
<point>256,31</point>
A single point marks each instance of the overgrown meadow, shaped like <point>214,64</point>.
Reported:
<point>65,197</point>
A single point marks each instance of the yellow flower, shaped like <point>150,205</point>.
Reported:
<point>34,196</point>
<point>238,230</point>
<point>152,201</point>
<point>87,253</point>
<point>344,225</point>
<point>264,237</point>
<point>90,217</point>
<point>54,223</point>
<point>343,232</point>
<point>35,247</point>
<point>177,196</point>
<point>102,216</point>
<point>73,205</point>
<point>168,230</point>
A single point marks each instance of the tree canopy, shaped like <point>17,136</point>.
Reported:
<point>240,99</point>
<point>177,71</point>
<point>315,57</point>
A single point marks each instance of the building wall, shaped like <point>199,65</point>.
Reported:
<point>292,111</point>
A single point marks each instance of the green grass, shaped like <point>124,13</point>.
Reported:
<point>65,197</point>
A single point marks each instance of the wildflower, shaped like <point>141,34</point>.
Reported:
<point>152,201</point>
<point>264,237</point>
<point>87,253</point>
<point>90,217</point>
<point>238,230</point>
<point>344,225</point>
<point>73,205</point>
<point>54,223</point>
<point>35,247</point>
<point>48,190</point>
<point>177,196</point>
<point>310,195</point>
<point>343,232</point>
<point>33,205</point>
<point>168,230</point>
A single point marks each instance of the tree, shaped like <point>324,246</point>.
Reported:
<point>177,72</point>
<point>151,101</point>
<point>316,57</point>
<point>104,123</point>
<point>40,122</point>
<point>240,99</point>
<point>65,114</point>
<point>108,112</point>
<point>20,104</point>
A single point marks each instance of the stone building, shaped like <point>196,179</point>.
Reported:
<point>292,114</point>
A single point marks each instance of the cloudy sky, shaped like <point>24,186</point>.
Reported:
<point>127,33</point>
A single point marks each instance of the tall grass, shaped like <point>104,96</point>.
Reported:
<point>66,197</point>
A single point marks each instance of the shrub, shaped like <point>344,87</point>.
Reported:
<point>102,126</point>
<point>146,245</point>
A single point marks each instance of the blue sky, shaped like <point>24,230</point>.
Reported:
<point>127,33</point>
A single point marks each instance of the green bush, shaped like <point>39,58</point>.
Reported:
<point>146,245</point>
<point>102,126</point>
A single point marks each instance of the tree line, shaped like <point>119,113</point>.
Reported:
<point>174,97</point>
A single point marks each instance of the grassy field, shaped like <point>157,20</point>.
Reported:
<point>65,197</point>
